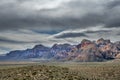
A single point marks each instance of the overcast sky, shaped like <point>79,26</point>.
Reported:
<point>25,23</point>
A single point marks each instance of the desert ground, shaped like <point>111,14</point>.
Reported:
<point>109,70</point>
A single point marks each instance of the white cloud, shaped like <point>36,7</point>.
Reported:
<point>31,38</point>
<point>92,33</point>
<point>41,4</point>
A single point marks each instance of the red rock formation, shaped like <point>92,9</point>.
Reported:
<point>118,56</point>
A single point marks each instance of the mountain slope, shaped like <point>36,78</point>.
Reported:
<point>87,50</point>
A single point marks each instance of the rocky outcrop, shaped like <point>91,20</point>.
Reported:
<point>118,56</point>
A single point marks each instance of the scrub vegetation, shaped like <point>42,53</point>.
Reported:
<point>63,71</point>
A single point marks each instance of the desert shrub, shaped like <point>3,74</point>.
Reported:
<point>74,72</point>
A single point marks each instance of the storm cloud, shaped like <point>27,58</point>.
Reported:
<point>30,22</point>
<point>71,35</point>
<point>44,15</point>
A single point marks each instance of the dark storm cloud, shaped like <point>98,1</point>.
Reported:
<point>50,23</point>
<point>118,34</point>
<point>4,48</point>
<point>6,40</point>
<point>71,35</point>
<point>112,14</point>
<point>80,33</point>
<point>98,31</point>
<point>113,23</point>
<point>113,4</point>
<point>14,16</point>
<point>46,18</point>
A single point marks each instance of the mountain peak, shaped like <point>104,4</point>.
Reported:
<point>85,41</point>
<point>39,46</point>
<point>60,45</point>
<point>103,41</point>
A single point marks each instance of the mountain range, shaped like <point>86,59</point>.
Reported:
<point>85,51</point>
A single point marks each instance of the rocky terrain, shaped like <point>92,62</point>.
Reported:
<point>41,72</point>
<point>62,71</point>
<point>86,50</point>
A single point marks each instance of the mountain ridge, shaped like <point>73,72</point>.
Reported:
<point>85,51</point>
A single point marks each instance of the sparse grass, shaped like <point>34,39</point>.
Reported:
<point>64,71</point>
<point>40,72</point>
<point>103,72</point>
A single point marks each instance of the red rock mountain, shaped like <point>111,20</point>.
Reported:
<point>86,50</point>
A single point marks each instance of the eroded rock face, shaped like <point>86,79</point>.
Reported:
<point>118,56</point>
<point>85,44</point>
<point>97,51</point>
<point>102,41</point>
<point>86,50</point>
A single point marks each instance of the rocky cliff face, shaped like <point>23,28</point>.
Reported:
<point>86,50</point>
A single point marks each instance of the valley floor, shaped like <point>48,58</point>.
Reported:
<point>60,70</point>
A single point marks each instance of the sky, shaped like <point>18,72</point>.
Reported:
<point>25,23</point>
